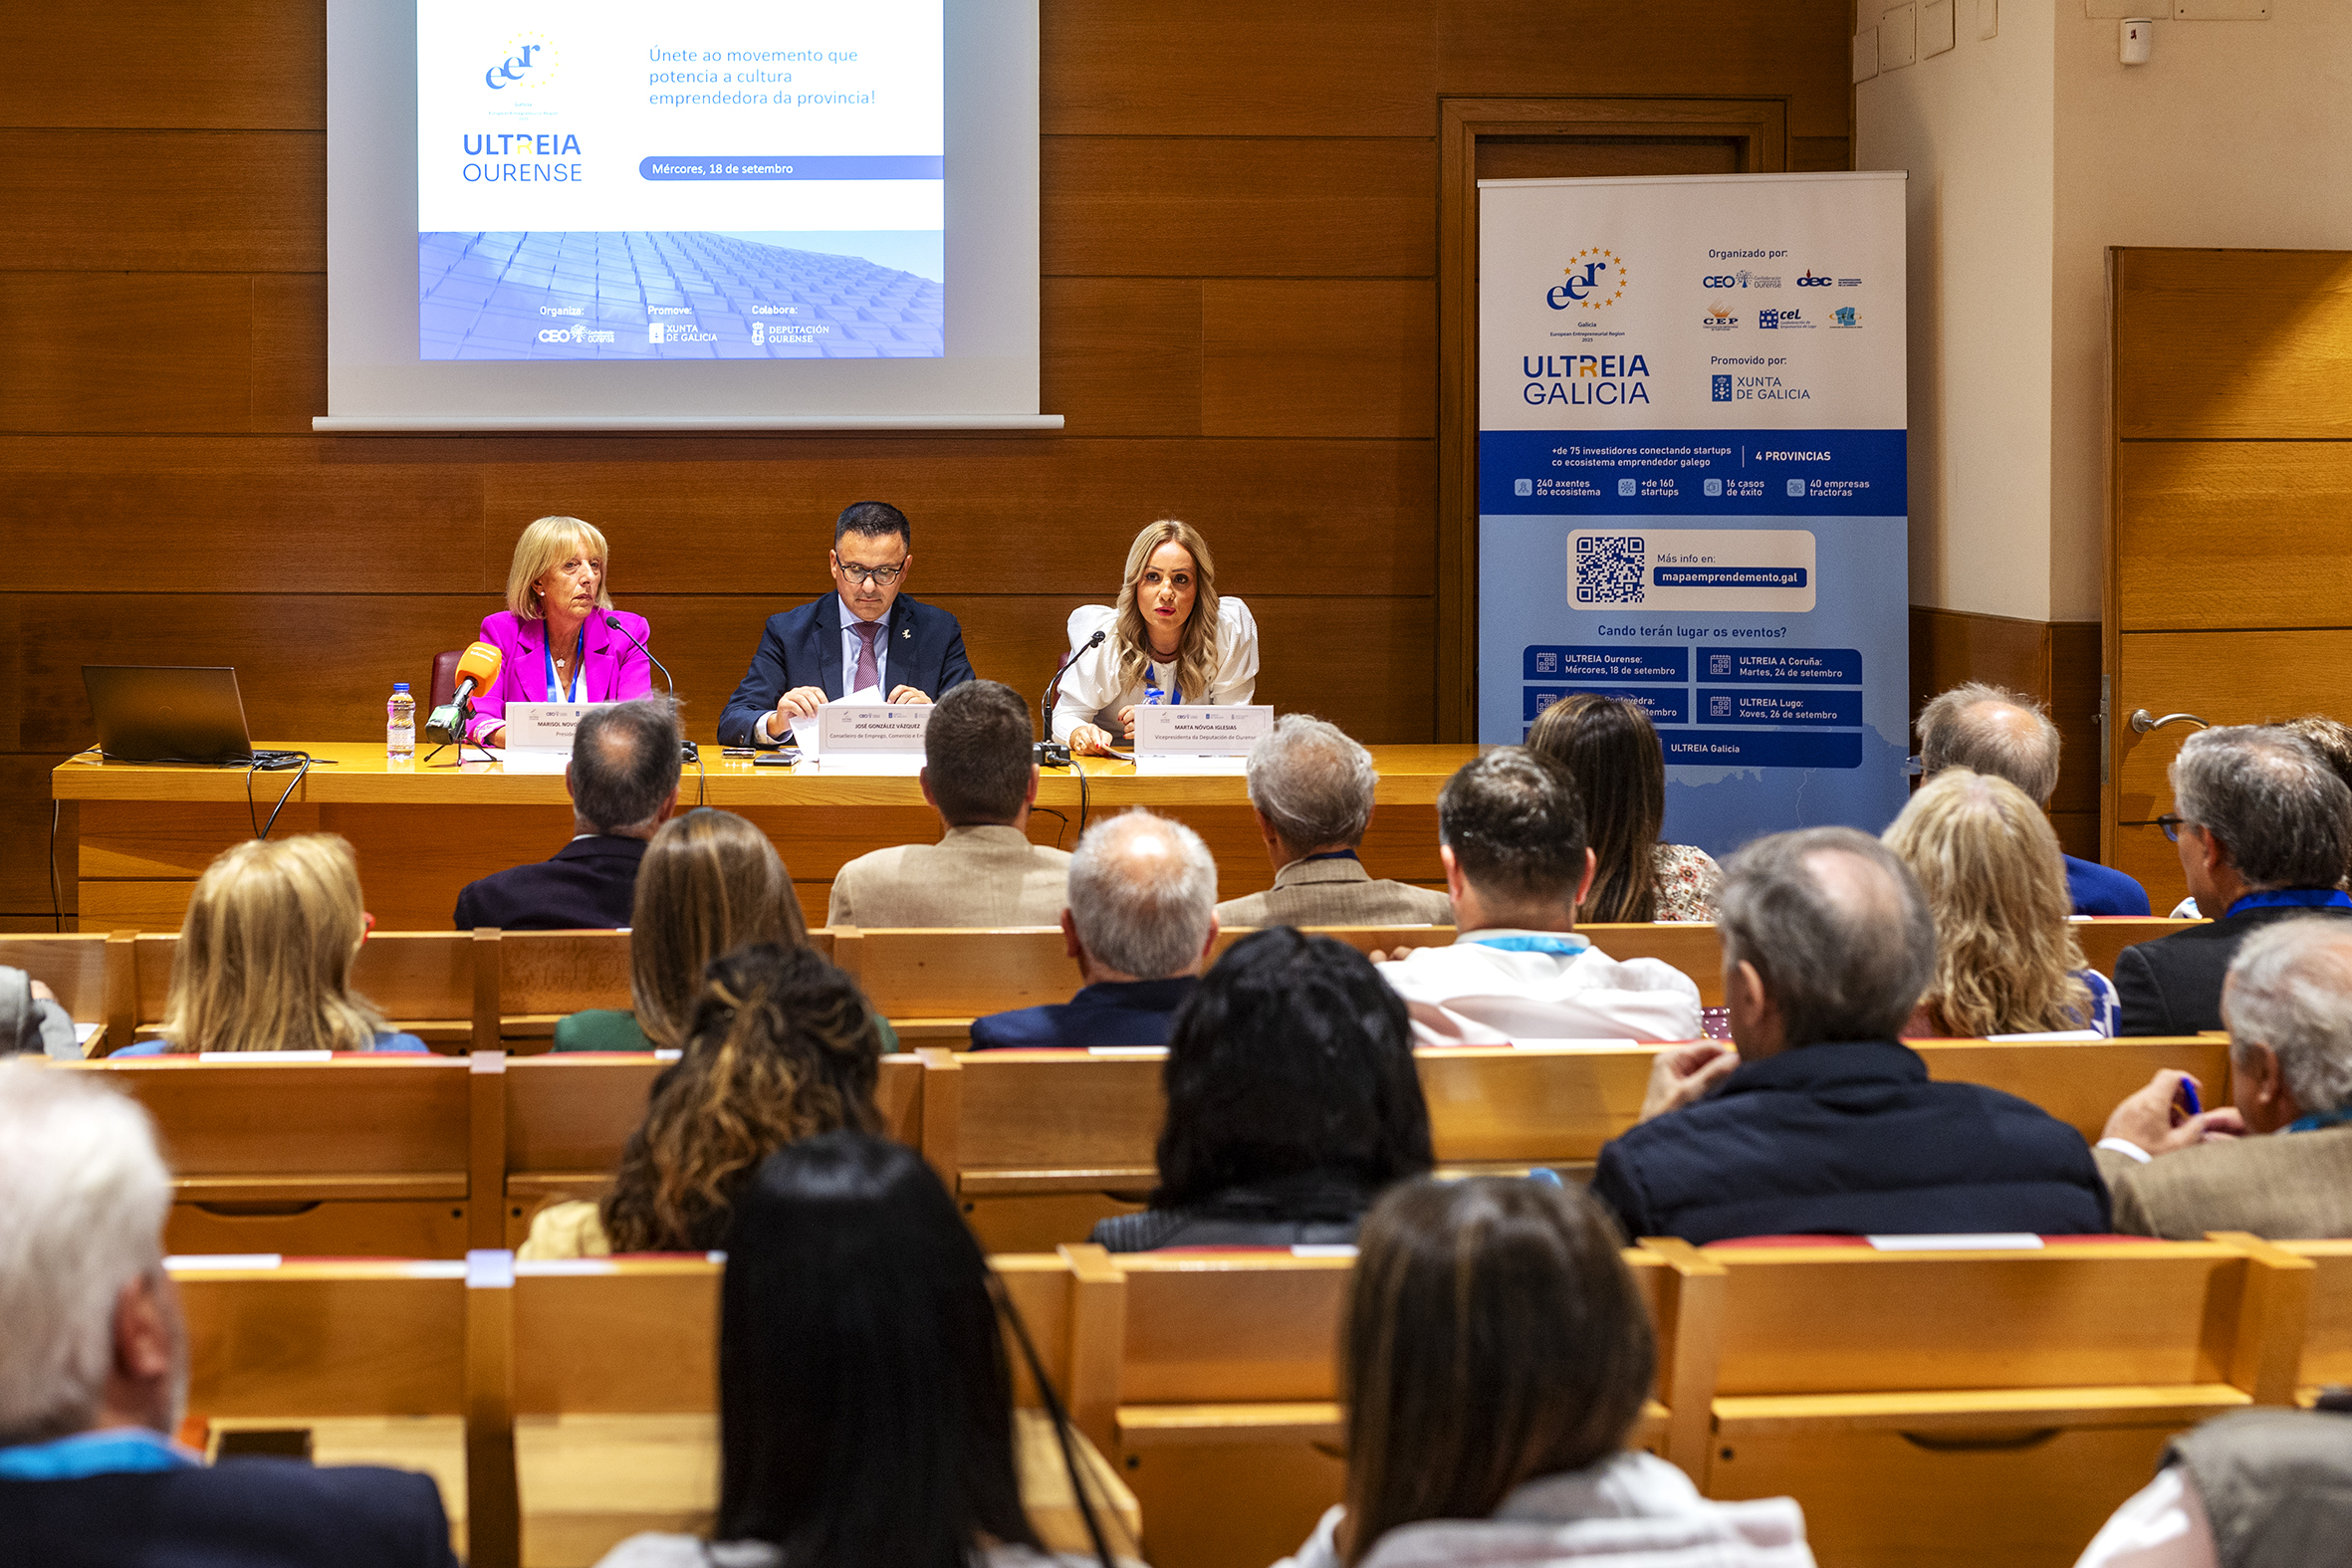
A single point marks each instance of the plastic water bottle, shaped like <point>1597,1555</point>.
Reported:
<point>399,726</point>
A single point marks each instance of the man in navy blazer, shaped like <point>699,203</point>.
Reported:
<point>1825,1122</point>
<point>862,634</point>
<point>623,778</point>
<point>93,1375</point>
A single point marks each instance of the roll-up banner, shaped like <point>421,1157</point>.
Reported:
<point>1691,481</point>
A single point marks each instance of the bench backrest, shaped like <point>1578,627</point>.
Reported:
<point>2327,1332</point>
<point>325,1338</point>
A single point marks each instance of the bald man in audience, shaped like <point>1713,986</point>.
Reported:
<point>1310,790</point>
<point>93,1375</point>
<point>980,774</point>
<point>1991,731</point>
<point>2278,1162</point>
<point>1823,1122</point>
<point>1142,917</point>
<point>1511,836</point>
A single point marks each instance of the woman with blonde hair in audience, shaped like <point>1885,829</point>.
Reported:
<point>1494,1358</point>
<point>865,1396</point>
<point>781,1045</point>
<point>1610,747</point>
<point>264,960</point>
<point>1171,639</point>
<point>2006,962</point>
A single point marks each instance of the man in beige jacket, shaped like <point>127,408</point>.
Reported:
<point>1311,788</point>
<point>981,775</point>
<point>2279,1162</point>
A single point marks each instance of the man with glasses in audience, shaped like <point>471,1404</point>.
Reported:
<point>862,636</point>
<point>2262,824</point>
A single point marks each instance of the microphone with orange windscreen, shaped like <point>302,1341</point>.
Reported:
<point>477,670</point>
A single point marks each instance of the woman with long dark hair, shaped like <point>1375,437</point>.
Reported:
<point>1494,1357</point>
<point>1293,1102</point>
<point>865,1405</point>
<point>1610,747</point>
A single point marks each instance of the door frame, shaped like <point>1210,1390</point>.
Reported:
<point>1759,128</point>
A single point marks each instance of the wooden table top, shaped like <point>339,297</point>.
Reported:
<point>358,773</point>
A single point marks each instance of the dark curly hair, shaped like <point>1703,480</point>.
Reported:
<point>781,1045</point>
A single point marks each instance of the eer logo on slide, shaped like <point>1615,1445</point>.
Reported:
<point>1596,278</point>
<point>529,61</point>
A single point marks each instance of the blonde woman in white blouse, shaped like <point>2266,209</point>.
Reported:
<point>1170,639</point>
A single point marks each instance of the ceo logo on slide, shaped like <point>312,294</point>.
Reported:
<point>1596,278</point>
<point>530,60</point>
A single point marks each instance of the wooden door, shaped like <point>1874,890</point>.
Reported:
<point>2230,515</point>
<point>1542,139</point>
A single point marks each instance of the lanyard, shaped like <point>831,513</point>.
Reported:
<point>578,670</point>
<point>1332,854</point>
<point>1152,695</point>
<point>1563,947</point>
<point>106,1452</point>
<point>2318,1119</point>
<point>2292,898</point>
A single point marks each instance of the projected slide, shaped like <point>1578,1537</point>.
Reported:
<point>696,179</point>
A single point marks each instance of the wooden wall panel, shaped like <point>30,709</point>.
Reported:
<point>1236,68</point>
<point>1239,210</point>
<point>1606,48</point>
<point>2235,345</point>
<point>1319,359</point>
<point>223,65</point>
<point>2223,677</point>
<point>151,201</point>
<point>2284,509</point>
<point>1271,206</point>
<point>2057,664</point>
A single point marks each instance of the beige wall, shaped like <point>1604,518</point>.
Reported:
<point>2029,155</point>
<point>1973,127</point>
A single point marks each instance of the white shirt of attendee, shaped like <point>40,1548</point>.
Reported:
<point>869,571</point>
<point>1094,712</point>
<point>1520,977</point>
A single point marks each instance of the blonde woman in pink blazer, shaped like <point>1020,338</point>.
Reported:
<point>554,632</point>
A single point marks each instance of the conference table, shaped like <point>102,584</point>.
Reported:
<point>424,830</point>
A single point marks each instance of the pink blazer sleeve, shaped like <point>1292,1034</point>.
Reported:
<point>505,632</point>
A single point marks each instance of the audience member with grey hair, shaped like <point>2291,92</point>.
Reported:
<point>2277,1161</point>
<point>623,778</point>
<point>1822,1122</point>
<point>1310,790</point>
<point>1990,729</point>
<point>1511,836</point>
<point>980,774</point>
<point>2262,825</point>
<point>94,1371</point>
<point>1142,917</point>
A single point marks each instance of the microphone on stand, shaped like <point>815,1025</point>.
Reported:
<point>1050,751</point>
<point>613,622</point>
<point>477,669</point>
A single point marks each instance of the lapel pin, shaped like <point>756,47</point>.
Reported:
<point>908,632</point>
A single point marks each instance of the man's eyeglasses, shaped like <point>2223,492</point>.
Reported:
<point>885,575</point>
<point>2172,825</point>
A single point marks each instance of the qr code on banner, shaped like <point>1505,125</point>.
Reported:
<point>1609,569</point>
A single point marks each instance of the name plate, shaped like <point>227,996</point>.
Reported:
<point>1188,730</point>
<point>542,725</point>
<point>856,728</point>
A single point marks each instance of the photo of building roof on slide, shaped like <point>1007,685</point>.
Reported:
<point>646,296</point>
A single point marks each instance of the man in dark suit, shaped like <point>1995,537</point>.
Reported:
<point>623,778</point>
<point>864,634</point>
<point>94,1372</point>
<point>1823,1122</point>
<point>2003,732</point>
<point>1142,917</point>
<point>2262,825</point>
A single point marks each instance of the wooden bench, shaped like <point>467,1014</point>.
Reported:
<point>1039,1145</point>
<point>2009,1400</point>
<point>568,1118</point>
<point>2327,1333</point>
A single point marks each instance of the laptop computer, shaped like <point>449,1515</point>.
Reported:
<point>168,714</point>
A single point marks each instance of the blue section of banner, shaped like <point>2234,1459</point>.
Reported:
<point>1605,664</point>
<point>1716,473</point>
<point>1808,666</point>
<point>1748,705</point>
<point>1765,749</point>
<point>1663,707</point>
<point>746,165</point>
